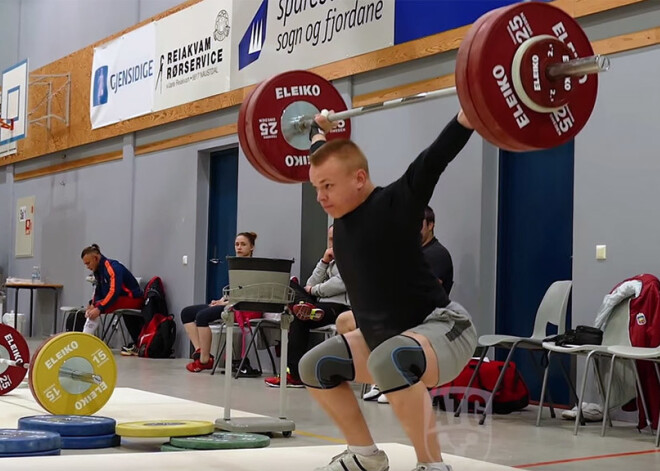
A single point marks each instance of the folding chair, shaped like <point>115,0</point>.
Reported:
<point>615,333</point>
<point>552,310</point>
<point>634,354</point>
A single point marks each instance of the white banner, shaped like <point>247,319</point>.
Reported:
<point>193,50</point>
<point>273,36</point>
<point>123,73</point>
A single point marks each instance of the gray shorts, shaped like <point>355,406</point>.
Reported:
<point>453,337</point>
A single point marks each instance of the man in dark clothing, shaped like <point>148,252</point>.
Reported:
<point>436,255</point>
<point>410,337</point>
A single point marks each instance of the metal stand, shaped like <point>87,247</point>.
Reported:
<point>255,424</point>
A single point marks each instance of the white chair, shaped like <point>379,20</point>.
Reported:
<point>634,354</point>
<point>552,310</point>
<point>614,333</point>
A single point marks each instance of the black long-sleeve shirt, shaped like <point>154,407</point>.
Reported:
<point>378,249</point>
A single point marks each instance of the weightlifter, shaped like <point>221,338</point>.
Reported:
<point>410,336</point>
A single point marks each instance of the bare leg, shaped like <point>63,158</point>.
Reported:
<point>340,402</point>
<point>191,330</point>
<point>414,409</point>
<point>205,337</point>
<point>345,322</point>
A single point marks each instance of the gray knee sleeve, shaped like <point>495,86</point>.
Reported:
<point>397,363</point>
<point>327,365</point>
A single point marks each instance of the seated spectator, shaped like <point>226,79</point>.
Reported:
<point>196,320</point>
<point>318,304</point>
<point>116,288</point>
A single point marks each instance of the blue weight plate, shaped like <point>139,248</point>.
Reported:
<point>36,453</point>
<point>100,441</point>
<point>27,441</point>
<point>69,425</point>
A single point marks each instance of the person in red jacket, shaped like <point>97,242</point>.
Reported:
<point>116,288</point>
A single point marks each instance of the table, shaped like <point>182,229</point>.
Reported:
<point>17,286</point>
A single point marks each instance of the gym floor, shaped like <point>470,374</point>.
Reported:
<point>509,440</point>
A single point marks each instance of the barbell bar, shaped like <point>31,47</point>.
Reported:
<point>574,68</point>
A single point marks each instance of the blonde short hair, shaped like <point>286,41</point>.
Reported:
<point>344,150</point>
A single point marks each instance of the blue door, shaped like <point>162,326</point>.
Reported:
<point>535,242</point>
<point>223,202</point>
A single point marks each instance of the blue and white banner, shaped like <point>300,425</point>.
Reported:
<point>273,36</point>
<point>123,72</point>
<point>193,50</point>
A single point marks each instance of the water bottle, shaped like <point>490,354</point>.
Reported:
<point>36,274</point>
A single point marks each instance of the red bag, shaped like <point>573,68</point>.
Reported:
<point>512,394</point>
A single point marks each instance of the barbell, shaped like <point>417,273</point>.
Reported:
<point>70,373</point>
<point>526,78</point>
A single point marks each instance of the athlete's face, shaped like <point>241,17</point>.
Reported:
<point>339,189</point>
<point>91,261</point>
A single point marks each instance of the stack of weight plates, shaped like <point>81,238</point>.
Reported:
<point>16,443</point>
<point>76,431</point>
<point>217,441</point>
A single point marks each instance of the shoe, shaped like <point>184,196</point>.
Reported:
<point>291,382</point>
<point>382,399</point>
<point>129,350</point>
<point>247,371</point>
<point>591,413</point>
<point>372,394</point>
<point>307,312</point>
<point>196,354</point>
<point>349,461</point>
<point>426,467</point>
<point>196,366</point>
<point>294,279</point>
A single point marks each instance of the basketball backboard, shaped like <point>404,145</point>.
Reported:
<point>14,103</point>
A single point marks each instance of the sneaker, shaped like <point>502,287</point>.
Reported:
<point>349,461</point>
<point>129,350</point>
<point>196,366</point>
<point>274,382</point>
<point>591,413</point>
<point>196,354</point>
<point>372,394</point>
<point>382,399</point>
<point>307,312</point>
<point>430,467</point>
<point>294,279</point>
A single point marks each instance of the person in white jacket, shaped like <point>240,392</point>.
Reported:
<point>316,304</point>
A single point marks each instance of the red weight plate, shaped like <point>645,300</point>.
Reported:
<point>462,84</point>
<point>264,119</point>
<point>489,74</point>
<point>534,88</point>
<point>243,138</point>
<point>261,160</point>
<point>13,347</point>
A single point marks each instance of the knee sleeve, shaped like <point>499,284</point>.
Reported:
<point>397,363</point>
<point>327,365</point>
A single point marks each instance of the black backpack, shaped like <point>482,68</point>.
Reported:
<point>159,332</point>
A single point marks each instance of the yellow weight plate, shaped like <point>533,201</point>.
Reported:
<point>164,428</point>
<point>73,373</point>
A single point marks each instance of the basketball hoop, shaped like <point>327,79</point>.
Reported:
<point>7,124</point>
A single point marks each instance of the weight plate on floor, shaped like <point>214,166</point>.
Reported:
<point>36,453</point>
<point>164,428</point>
<point>89,442</point>
<point>168,447</point>
<point>221,441</point>
<point>28,441</point>
<point>69,425</point>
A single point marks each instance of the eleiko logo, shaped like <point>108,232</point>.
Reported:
<point>100,86</point>
<point>254,38</point>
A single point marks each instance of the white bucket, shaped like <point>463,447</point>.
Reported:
<point>8,319</point>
